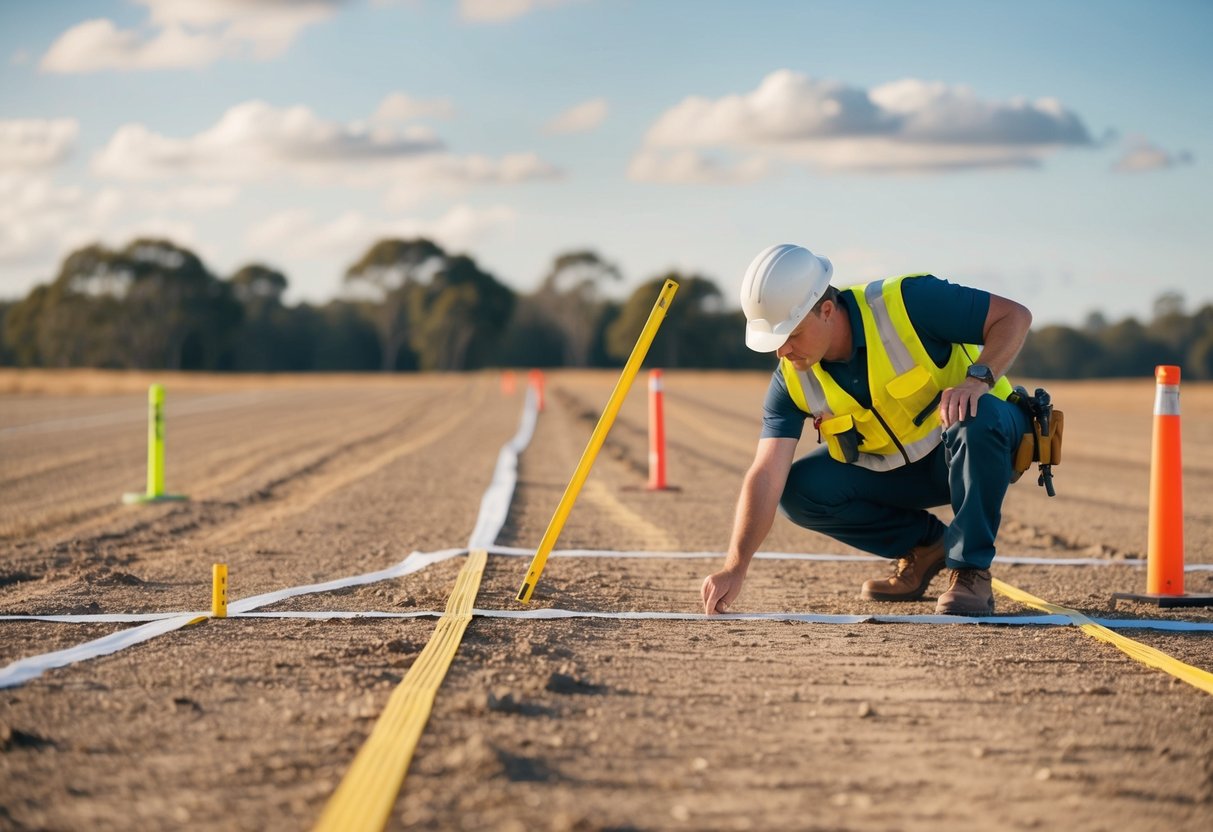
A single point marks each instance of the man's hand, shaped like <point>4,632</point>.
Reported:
<point>721,589</point>
<point>957,403</point>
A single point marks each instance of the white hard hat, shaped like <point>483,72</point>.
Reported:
<point>780,287</point>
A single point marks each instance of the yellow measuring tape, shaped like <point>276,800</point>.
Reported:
<point>365,798</point>
<point>639,351</point>
<point>1194,676</point>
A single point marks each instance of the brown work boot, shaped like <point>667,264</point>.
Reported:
<point>969,593</point>
<point>910,577</point>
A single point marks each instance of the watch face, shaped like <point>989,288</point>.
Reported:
<point>982,372</point>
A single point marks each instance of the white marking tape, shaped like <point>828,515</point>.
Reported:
<point>514,551</point>
<point>495,504</point>
<point>555,613</point>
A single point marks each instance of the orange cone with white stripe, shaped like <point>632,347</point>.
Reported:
<point>1165,568</point>
<point>536,379</point>
<point>656,432</point>
<point>1165,549</point>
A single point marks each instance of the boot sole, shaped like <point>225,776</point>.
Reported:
<point>916,595</point>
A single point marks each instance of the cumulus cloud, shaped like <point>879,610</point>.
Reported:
<point>582,118</point>
<point>40,219</point>
<point>399,107</point>
<point>36,143</point>
<point>691,167</point>
<point>497,11</point>
<point>1143,155</point>
<point>904,125</point>
<point>186,33</point>
<point>253,140</point>
<point>449,175</point>
<point>347,236</point>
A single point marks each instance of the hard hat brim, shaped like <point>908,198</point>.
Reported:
<point>760,341</point>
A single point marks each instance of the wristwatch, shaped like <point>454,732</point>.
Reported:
<point>982,373</point>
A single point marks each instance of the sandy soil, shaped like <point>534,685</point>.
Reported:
<point>575,724</point>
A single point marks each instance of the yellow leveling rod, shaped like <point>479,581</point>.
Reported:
<point>656,316</point>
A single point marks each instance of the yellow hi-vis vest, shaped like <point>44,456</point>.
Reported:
<point>903,425</point>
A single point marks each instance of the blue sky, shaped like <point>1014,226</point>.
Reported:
<point>1054,153</point>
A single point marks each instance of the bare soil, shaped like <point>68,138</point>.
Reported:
<point>564,724</point>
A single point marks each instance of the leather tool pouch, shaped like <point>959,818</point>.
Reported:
<point>1035,448</point>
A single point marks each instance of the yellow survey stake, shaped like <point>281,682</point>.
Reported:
<point>656,316</point>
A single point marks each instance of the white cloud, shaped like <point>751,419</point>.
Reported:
<point>692,167</point>
<point>400,107</point>
<point>345,238</point>
<point>256,140</point>
<point>496,11</point>
<point>447,175</point>
<point>186,33</point>
<point>41,220</point>
<point>36,143</point>
<point>906,125</point>
<point>581,118</point>
<point>1143,155</point>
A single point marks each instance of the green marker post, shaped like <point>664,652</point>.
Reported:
<point>155,453</point>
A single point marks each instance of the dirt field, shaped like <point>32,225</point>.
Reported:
<point>565,724</point>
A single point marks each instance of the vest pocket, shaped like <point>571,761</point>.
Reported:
<point>916,393</point>
<point>841,437</point>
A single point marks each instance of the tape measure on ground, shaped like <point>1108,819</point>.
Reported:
<point>1201,679</point>
<point>367,793</point>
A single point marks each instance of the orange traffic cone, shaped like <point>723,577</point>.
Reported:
<point>1165,550</point>
<point>536,379</point>
<point>656,433</point>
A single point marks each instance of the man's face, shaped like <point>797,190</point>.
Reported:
<point>809,340</point>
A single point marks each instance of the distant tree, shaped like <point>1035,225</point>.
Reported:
<point>571,298</point>
<point>150,305</point>
<point>1057,352</point>
<point>1199,362</point>
<point>6,355</point>
<point>384,280</point>
<point>266,340</point>
<point>1168,304</point>
<point>1095,322</point>
<point>456,319</point>
<point>531,338</point>
<point>339,337</point>
<point>689,336</point>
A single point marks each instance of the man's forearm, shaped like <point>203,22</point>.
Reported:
<point>755,515</point>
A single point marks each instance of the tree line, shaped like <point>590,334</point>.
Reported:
<point>410,305</point>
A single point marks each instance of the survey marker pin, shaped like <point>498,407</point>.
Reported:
<point>219,590</point>
<point>1165,550</point>
<point>639,351</point>
<point>155,452</point>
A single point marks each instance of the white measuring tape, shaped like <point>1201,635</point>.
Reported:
<point>556,613</point>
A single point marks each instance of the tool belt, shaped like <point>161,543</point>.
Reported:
<point>1043,444</point>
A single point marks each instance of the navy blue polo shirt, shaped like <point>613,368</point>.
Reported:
<point>942,313</point>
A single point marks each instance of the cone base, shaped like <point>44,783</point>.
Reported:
<point>1165,601</point>
<point>132,499</point>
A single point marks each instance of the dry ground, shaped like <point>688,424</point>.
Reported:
<point>575,724</point>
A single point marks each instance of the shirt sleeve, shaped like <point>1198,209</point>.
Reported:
<point>944,314</point>
<point>781,418</point>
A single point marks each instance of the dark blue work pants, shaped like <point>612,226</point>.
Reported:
<point>885,512</point>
